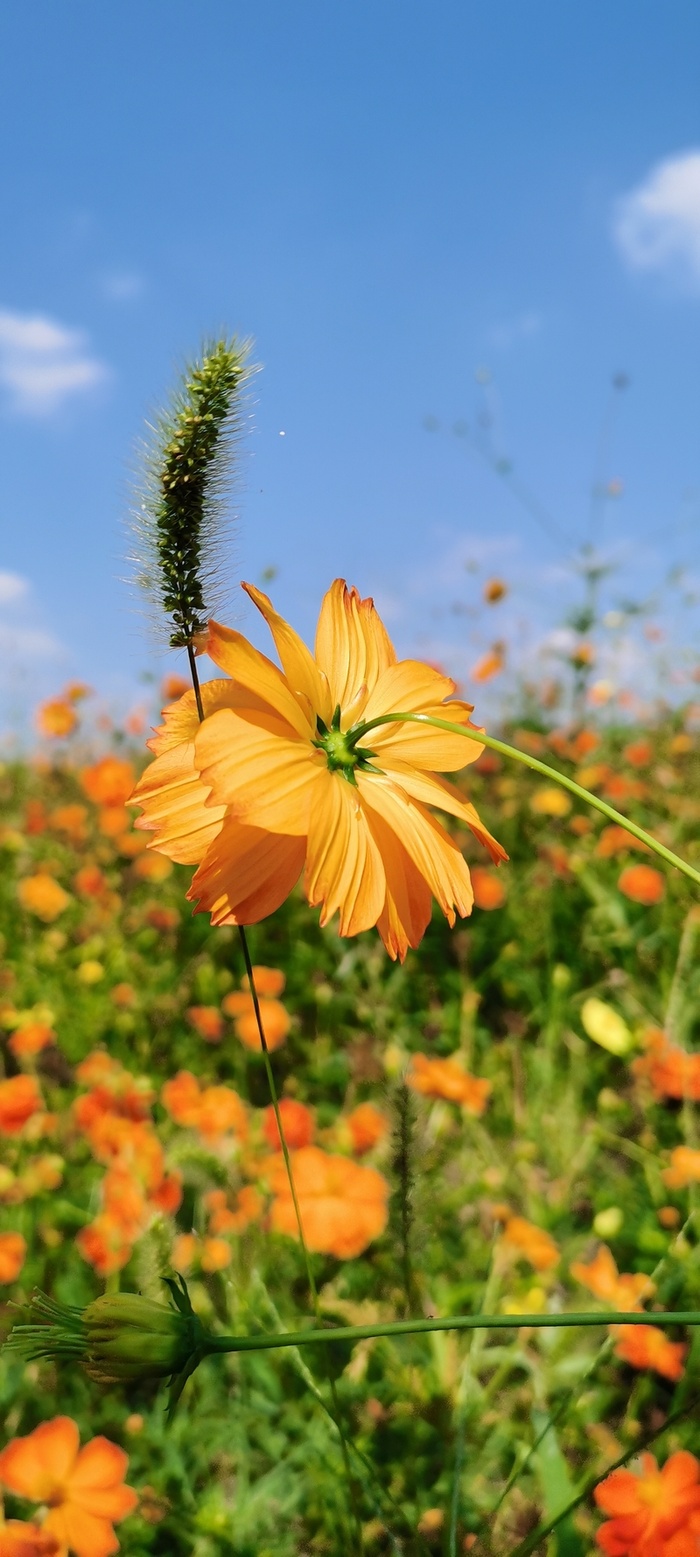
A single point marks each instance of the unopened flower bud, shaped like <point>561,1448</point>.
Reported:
<point>128,1337</point>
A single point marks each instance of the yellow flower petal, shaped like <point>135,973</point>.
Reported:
<point>408,904</point>
<point>254,671</point>
<point>438,792</point>
<point>344,870</point>
<point>432,850</point>
<point>181,719</point>
<point>174,802</point>
<point>246,874</point>
<point>352,648</point>
<point>264,779</point>
<point>411,687</point>
<point>305,678</point>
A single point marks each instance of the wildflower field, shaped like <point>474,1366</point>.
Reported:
<point>503,1123</point>
<point>349,1183</point>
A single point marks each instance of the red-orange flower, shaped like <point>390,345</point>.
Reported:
<point>671,1070</point>
<point>368,1126</point>
<point>278,779</point>
<point>642,884</point>
<point>447,1079</point>
<point>274,1016</point>
<point>645,1346</point>
<point>19,1099</point>
<point>489,891</point>
<point>601,1276</point>
<point>648,1507</point>
<point>18,1539</point>
<point>108,782</point>
<point>31,1039</point>
<point>84,1488</point>
<point>212,1110</point>
<point>343,1205</point>
<point>297,1123</point>
<point>684,1168</point>
<point>207,1021</point>
<point>13,1250</point>
<point>531,1242</point>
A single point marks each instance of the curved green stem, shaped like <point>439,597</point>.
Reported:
<point>506,750</point>
<point>258,1343</point>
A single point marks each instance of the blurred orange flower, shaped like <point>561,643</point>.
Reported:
<point>71,820</point>
<point>216,1254</point>
<point>639,753</point>
<point>647,1506</point>
<point>645,1346</point>
<point>684,1168</point>
<point>13,1250</point>
<point>494,590</point>
<point>615,839</point>
<point>108,782</point>
<point>368,1126</point>
<point>447,1079</point>
<point>271,784</point>
<point>31,1039</point>
<point>56,718</point>
<point>19,1099</point>
<point>489,891</point>
<point>18,1539</point>
<point>601,1276</point>
<point>90,881</point>
<point>207,1021</point>
<point>642,884</point>
<point>275,1019</point>
<point>174,686</point>
<point>671,1071</point>
<point>531,1243</point>
<point>41,895</point>
<point>84,1488</point>
<point>490,664</point>
<point>152,867</point>
<point>224,1219</point>
<point>212,1110</point>
<point>343,1205</point>
<point>297,1123</point>
<point>268,981</point>
<point>35,818</point>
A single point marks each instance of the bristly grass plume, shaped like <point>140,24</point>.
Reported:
<point>180,517</point>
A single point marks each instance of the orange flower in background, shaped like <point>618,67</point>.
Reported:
<point>271,783</point>
<point>639,753</point>
<point>642,884</point>
<point>108,782</point>
<point>489,891</point>
<point>531,1243</point>
<point>684,1168</point>
<point>216,1254</point>
<point>491,664</point>
<point>645,1346</point>
<point>174,686</point>
<point>447,1079</point>
<point>70,820</point>
<point>343,1205</point>
<point>84,1488</point>
<point>207,1021</point>
<point>601,1276</point>
<point>214,1111</point>
<point>56,718</point>
<point>615,839</point>
<point>35,818</point>
<point>368,1126</point>
<point>31,1039</point>
<point>494,590</point>
<point>19,1099</point>
<point>18,1539</point>
<point>90,881</point>
<point>297,1123</point>
<point>43,896</point>
<point>647,1506</point>
<point>224,1219</point>
<point>672,1072</point>
<point>161,917</point>
<point>268,981</point>
<point>275,1019</point>
<point>13,1251</point>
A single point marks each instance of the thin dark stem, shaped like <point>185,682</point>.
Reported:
<point>195,680</point>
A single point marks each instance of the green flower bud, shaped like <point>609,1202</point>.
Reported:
<point>128,1337</point>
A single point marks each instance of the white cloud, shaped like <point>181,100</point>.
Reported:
<point>657,225</point>
<point>12,588</point>
<point>42,363</point>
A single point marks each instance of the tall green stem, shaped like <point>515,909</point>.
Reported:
<point>470,734</point>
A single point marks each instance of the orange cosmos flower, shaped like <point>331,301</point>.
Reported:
<point>213,1110</point>
<point>494,590</point>
<point>43,896</point>
<point>601,1276</point>
<point>489,891</point>
<point>18,1539</point>
<point>268,981</point>
<point>297,1123</point>
<point>207,1021</point>
<point>615,839</point>
<point>684,1168</point>
<point>645,1346</point>
<point>531,1242</point>
<point>642,884</point>
<point>447,1079</point>
<point>671,1071</point>
<point>343,1205</point>
<point>108,782</point>
<point>274,1016</point>
<point>19,1099</point>
<point>13,1251</point>
<point>639,753</point>
<point>84,1488</point>
<point>31,1039</point>
<point>490,664</point>
<point>272,782</point>
<point>173,686</point>
<point>56,718</point>
<point>368,1126</point>
<point>647,1507</point>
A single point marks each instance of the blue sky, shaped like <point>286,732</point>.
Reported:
<point>395,201</point>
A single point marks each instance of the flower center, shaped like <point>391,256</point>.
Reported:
<point>342,754</point>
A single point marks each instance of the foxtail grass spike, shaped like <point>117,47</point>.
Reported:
<point>180,520</point>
